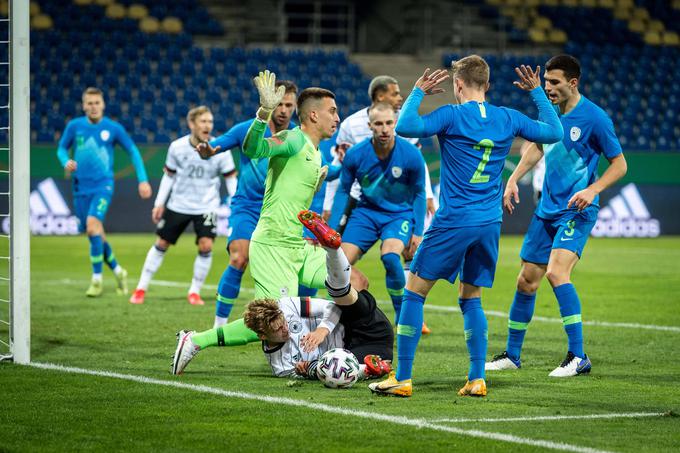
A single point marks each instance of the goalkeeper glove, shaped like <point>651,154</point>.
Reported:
<point>270,95</point>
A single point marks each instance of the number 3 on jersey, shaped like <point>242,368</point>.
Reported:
<point>478,177</point>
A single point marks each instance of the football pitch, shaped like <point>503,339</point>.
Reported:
<point>100,374</point>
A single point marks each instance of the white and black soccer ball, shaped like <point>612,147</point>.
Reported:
<point>338,368</point>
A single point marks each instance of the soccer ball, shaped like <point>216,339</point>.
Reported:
<point>338,369</point>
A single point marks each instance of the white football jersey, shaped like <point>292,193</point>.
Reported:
<point>539,175</point>
<point>197,181</point>
<point>304,315</point>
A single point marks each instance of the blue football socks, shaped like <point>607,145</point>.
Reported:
<point>394,281</point>
<point>521,311</point>
<point>476,335</point>
<point>570,309</point>
<point>408,333</point>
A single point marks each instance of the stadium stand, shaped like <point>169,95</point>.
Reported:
<point>627,56</point>
<point>152,76</point>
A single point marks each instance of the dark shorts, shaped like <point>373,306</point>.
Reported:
<point>173,224</point>
<point>367,329</point>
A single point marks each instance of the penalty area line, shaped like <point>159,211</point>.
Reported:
<point>541,418</point>
<point>418,423</point>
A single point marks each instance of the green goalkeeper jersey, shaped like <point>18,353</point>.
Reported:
<point>292,179</point>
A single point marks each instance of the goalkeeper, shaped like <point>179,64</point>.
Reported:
<point>280,258</point>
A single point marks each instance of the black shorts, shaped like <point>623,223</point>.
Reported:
<point>173,224</point>
<point>367,329</point>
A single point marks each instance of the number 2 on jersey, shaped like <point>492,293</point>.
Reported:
<point>478,177</point>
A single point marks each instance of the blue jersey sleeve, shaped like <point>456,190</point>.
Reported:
<point>348,171</point>
<point>65,143</point>
<point>605,137</point>
<point>410,124</point>
<point>135,156</point>
<point>547,129</point>
<point>419,203</point>
<point>232,138</point>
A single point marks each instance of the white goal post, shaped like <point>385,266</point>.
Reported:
<point>19,182</point>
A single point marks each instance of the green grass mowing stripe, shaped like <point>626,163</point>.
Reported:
<point>496,313</point>
<point>399,420</point>
<point>554,417</point>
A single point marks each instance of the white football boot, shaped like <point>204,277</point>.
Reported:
<point>502,362</point>
<point>186,350</point>
<point>572,366</point>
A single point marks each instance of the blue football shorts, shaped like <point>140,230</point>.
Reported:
<point>243,220</point>
<point>365,226</point>
<point>570,232</point>
<point>95,204</point>
<point>471,252</point>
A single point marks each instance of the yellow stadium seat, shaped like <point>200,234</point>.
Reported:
<point>655,25</point>
<point>137,11</point>
<point>589,3</point>
<point>495,2</point>
<point>676,4</point>
<point>557,36</point>
<point>542,22</point>
<point>83,2</point>
<point>116,11</point>
<point>641,13</point>
<point>513,2</point>
<point>611,4</point>
<point>652,38</point>
<point>4,8</point>
<point>670,38</point>
<point>622,13</point>
<point>551,2</point>
<point>171,25</point>
<point>34,9</point>
<point>570,3</point>
<point>41,22</point>
<point>636,25</point>
<point>104,2</point>
<point>537,35</point>
<point>150,25</point>
<point>532,3</point>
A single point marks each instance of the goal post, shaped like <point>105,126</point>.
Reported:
<point>20,176</point>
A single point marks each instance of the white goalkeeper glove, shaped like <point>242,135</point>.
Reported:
<point>270,96</point>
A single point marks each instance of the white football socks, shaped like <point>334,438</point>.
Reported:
<point>153,261</point>
<point>201,268</point>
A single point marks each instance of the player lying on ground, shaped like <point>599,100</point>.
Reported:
<point>93,138</point>
<point>192,185</point>
<point>566,213</point>
<point>475,138</point>
<point>296,331</point>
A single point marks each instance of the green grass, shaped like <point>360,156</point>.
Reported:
<point>619,281</point>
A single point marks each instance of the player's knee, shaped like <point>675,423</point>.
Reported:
<point>557,277</point>
<point>205,246</point>
<point>238,261</point>
<point>526,285</point>
<point>162,244</point>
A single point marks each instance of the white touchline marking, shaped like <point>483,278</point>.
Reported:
<point>399,420</point>
<point>551,417</point>
<point>494,313</point>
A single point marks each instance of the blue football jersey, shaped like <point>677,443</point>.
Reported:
<point>93,145</point>
<point>571,164</point>
<point>394,185</point>
<point>475,138</point>
<point>252,172</point>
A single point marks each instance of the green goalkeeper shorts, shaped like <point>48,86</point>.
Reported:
<point>278,271</point>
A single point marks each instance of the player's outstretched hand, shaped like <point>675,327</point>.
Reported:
<point>301,368</point>
<point>145,190</point>
<point>206,151</point>
<point>270,95</point>
<point>428,82</point>
<point>582,199</point>
<point>528,79</point>
<point>157,213</point>
<point>413,245</point>
<point>511,194</point>
<point>313,339</point>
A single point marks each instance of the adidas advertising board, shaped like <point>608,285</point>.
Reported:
<point>626,215</point>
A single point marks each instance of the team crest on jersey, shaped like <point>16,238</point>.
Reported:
<point>575,133</point>
<point>295,326</point>
<point>396,171</point>
<point>105,135</point>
